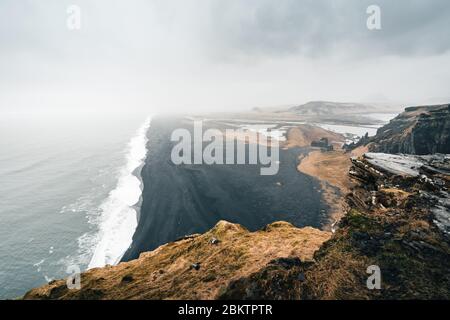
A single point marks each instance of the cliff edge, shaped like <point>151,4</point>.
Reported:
<point>195,267</point>
<point>418,130</point>
<point>398,221</point>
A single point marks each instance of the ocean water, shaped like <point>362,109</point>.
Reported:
<point>68,192</point>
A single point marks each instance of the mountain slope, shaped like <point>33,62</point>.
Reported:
<point>328,108</point>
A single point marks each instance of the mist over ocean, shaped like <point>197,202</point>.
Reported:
<point>61,180</point>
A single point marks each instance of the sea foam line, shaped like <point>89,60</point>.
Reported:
<point>118,219</point>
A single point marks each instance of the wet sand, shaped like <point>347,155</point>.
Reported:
<point>179,200</point>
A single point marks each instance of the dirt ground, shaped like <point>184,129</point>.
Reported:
<point>331,168</point>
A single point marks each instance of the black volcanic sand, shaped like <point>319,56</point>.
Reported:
<point>179,200</point>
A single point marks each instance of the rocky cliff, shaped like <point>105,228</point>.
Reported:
<point>399,222</point>
<point>418,130</point>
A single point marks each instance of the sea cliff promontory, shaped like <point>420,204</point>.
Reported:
<point>397,221</point>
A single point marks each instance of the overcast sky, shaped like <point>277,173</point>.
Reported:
<point>214,55</point>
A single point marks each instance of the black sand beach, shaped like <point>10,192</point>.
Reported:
<point>183,199</point>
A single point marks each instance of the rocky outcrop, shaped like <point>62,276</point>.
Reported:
<point>194,267</point>
<point>418,130</point>
<point>398,222</point>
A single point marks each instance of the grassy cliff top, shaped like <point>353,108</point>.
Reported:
<point>195,267</point>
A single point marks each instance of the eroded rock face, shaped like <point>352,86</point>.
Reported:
<point>427,176</point>
<point>398,221</point>
<point>418,130</point>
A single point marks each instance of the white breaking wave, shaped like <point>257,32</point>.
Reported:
<point>118,219</point>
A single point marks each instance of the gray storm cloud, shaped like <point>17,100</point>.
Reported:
<point>217,54</point>
<point>320,28</point>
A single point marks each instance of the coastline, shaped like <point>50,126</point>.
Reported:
<point>179,200</point>
<point>281,262</point>
<point>331,168</point>
<point>137,207</point>
<point>323,166</point>
<point>121,209</point>
<point>326,167</point>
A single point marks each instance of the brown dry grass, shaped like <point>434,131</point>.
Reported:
<point>303,135</point>
<point>331,168</point>
<point>337,275</point>
<point>165,273</point>
<point>358,152</point>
